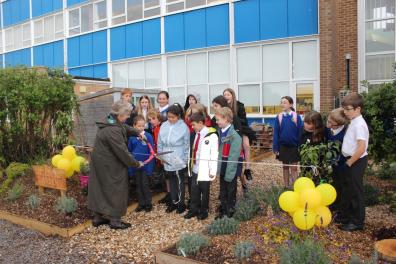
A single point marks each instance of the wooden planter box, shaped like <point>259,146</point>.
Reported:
<point>166,258</point>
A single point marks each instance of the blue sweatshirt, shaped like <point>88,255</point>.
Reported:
<point>287,133</point>
<point>339,137</point>
<point>141,152</point>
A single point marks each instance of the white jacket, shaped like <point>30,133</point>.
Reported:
<point>207,155</point>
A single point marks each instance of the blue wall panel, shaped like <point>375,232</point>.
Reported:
<point>46,7</point>
<point>38,57</point>
<point>37,9</point>
<point>195,29</point>
<point>100,43</point>
<point>151,37</point>
<point>174,33</point>
<point>73,52</point>
<point>41,7</point>
<point>75,71</point>
<point>117,43</point>
<point>303,17</point>
<point>134,43</point>
<point>273,19</point>
<point>58,54</point>
<point>48,52</point>
<point>73,2</point>
<point>100,71</point>
<point>19,57</point>
<point>49,55</point>
<point>15,11</point>
<point>56,4</point>
<point>86,49</point>
<point>217,26</point>
<point>247,21</point>
<point>87,71</point>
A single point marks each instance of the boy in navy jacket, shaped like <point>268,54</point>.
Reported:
<point>141,151</point>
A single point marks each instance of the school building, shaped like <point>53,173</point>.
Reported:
<point>311,50</point>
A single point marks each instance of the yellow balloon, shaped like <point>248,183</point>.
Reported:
<point>69,173</point>
<point>304,219</point>
<point>76,163</point>
<point>69,152</point>
<point>55,159</point>
<point>323,216</point>
<point>64,164</point>
<point>303,183</point>
<point>289,201</point>
<point>328,193</point>
<point>310,199</point>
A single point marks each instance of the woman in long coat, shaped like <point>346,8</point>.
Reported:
<point>110,159</point>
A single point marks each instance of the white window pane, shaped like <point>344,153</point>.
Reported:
<point>17,37</point>
<point>152,12</point>
<point>86,18</point>
<point>26,35</point>
<point>9,39</point>
<point>136,74</point>
<point>74,22</point>
<point>196,68</point>
<point>118,20</point>
<point>193,3</point>
<point>49,28</point>
<point>175,7</point>
<point>272,94</point>
<point>304,95</point>
<point>380,35</point>
<point>153,73</point>
<point>118,7</point>
<point>276,62</point>
<point>177,95</point>
<point>219,66</point>
<point>380,67</point>
<point>201,90</point>
<point>1,43</point>
<point>176,71</point>
<point>304,60</point>
<point>120,75</point>
<point>100,11</point>
<point>38,31</point>
<point>151,3</point>
<point>59,26</point>
<point>214,91</point>
<point>380,9</point>
<point>248,60</point>
<point>249,95</point>
<point>135,9</point>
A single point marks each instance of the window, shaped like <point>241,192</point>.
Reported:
<point>379,39</point>
<point>176,70</point>
<point>248,95</point>
<point>9,39</point>
<point>304,97</point>
<point>178,5</point>
<point>249,64</point>
<point>131,10</point>
<point>304,60</point>
<point>87,18</point>
<point>143,74</point>
<point>48,28</point>
<point>17,37</point>
<point>272,93</point>
<point>1,43</point>
<point>276,62</point>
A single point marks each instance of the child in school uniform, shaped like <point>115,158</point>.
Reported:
<point>354,149</point>
<point>203,166</point>
<point>336,127</point>
<point>141,151</point>
<point>230,152</point>
<point>313,132</point>
<point>286,139</point>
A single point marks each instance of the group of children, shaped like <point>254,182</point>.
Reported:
<point>189,146</point>
<point>345,125</point>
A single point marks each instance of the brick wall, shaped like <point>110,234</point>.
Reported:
<point>338,36</point>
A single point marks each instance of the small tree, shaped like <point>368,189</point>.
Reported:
<point>35,113</point>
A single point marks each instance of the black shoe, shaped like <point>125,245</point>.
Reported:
<point>190,215</point>
<point>119,225</point>
<point>96,222</point>
<point>148,208</point>
<point>202,216</point>
<point>171,208</point>
<point>248,174</point>
<point>139,208</point>
<point>181,208</point>
<point>165,200</point>
<point>351,227</point>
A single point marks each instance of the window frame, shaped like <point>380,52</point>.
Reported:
<point>57,34</point>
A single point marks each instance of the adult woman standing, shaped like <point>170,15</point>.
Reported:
<point>190,100</point>
<point>108,182</point>
<point>163,104</point>
<point>248,135</point>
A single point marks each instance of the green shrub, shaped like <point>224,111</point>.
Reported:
<point>84,168</point>
<point>66,205</point>
<point>246,209</point>
<point>13,171</point>
<point>272,197</point>
<point>33,201</point>
<point>243,250</point>
<point>223,226</point>
<point>356,260</point>
<point>303,252</point>
<point>371,195</point>
<point>15,192</point>
<point>387,171</point>
<point>190,243</point>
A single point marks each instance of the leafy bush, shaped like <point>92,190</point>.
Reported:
<point>246,208</point>
<point>35,113</point>
<point>356,260</point>
<point>84,168</point>
<point>371,195</point>
<point>301,252</point>
<point>66,205</point>
<point>223,226</point>
<point>33,201</point>
<point>15,192</point>
<point>272,197</point>
<point>387,171</point>
<point>380,114</point>
<point>13,171</point>
<point>243,250</point>
<point>190,244</point>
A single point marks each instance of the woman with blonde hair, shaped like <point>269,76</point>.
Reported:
<point>144,105</point>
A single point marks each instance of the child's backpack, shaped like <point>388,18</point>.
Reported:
<point>294,118</point>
